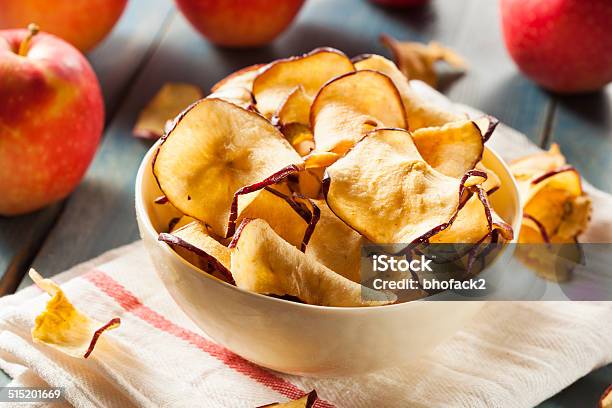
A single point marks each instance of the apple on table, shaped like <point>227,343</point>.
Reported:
<point>51,119</point>
<point>240,23</point>
<point>83,23</point>
<point>563,45</point>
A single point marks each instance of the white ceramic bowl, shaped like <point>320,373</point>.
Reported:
<point>298,338</point>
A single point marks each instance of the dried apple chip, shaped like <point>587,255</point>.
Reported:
<point>286,217</point>
<point>385,190</point>
<point>556,204</point>
<point>194,243</point>
<point>310,71</point>
<point>307,401</point>
<point>336,245</point>
<point>419,112</point>
<point>214,150</point>
<point>417,61</point>
<point>350,106</point>
<point>493,182</point>
<point>62,326</point>
<point>243,78</point>
<point>453,148</point>
<point>169,101</point>
<point>238,96</point>
<point>294,109</point>
<point>300,136</point>
<point>263,262</point>
<point>538,163</point>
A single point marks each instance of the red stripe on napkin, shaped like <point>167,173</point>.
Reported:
<point>130,303</point>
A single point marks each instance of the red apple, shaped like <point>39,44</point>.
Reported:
<point>83,23</point>
<point>563,45</point>
<point>240,23</point>
<point>400,3</point>
<point>51,119</point>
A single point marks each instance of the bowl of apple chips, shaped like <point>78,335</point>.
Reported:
<point>257,201</point>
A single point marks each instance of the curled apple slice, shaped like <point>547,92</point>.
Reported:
<point>300,137</point>
<point>286,217</point>
<point>385,190</point>
<point>417,61</point>
<point>169,101</point>
<point>419,112</point>
<point>194,243</point>
<point>62,326</point>
<point>350,106</point>
<point>243,78</point>
<point>453,148</point>
<point>336,245</point>
<point>538,163</point>
<point>238,96</point>
<point>310,71</point>
<point>557,206</point>
<point>294,109</point>
<point>215,149</point>
<point>263,262</point>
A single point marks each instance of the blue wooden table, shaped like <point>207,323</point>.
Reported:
<point>153,44</point>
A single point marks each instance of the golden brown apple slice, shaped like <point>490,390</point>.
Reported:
<point>419,112</point>
<point>311,71</point>
<point>385,190</point>
<point>215,149</point>
<point>263,262</point>
<point>528,166</point>
<point>169,101</point>
<point>243,78</point>
<point>294,109</point>
<point>300,136</point>
<point>238,96</point>
<point>417,61</point>
<point>474,222</point>
<point>307,401</point>
<point>453,148</point>
<point>556,204</point>
<point>350,106</point>
<point>286,217</point>
<point>64,327</point>
<point>336,245</point>
<point>194,243</point>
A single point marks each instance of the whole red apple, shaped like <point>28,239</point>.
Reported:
<point>563,45</point>
<point>400,3</point>
<point>51,119</point>
<point>240,23</point>
<point>83,23</point>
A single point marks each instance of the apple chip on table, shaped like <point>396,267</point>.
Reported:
<point>278,197</point>
<point>556,211</point>
<point>62,326</point>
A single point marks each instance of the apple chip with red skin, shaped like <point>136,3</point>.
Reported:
<point>420,113</point>
<point>215,149</point>
<point>243,78</point>
<point>385,190</point>
<point>62,326</point>
<point>284,215</point>
<point>263,262</point>
<point>294,109</point>
<point>606,398</point>
<point>310,71</point>
<point>194,243</point>
<point>453,148</point>
<point>351,105</point>
<point>534,164</point>
<point>307,401</point>
<point>417,60</point>
<point>169,101</point>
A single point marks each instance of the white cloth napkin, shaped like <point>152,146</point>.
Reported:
<point>513,354</point>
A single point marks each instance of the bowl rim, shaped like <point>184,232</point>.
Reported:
<point>145,220</point>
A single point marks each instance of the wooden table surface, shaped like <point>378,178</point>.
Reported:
<point>153,44</point>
